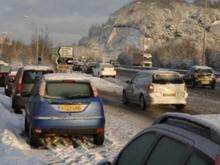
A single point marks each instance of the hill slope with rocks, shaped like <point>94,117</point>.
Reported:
<point>173,31</point>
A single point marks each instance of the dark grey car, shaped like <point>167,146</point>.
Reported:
<point>175,139</point>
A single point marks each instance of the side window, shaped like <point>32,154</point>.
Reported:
<point>136,151</point>
<point>199,158</point>
<point>168,151</point>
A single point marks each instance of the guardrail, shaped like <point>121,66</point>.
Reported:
<point>128,70</point>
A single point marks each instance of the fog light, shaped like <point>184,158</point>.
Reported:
<point>37,130</point>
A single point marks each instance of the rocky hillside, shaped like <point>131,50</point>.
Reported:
<point>173,31</point>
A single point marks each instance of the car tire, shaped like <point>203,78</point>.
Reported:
<point>124,98</point>
<point>213,86</point>
<point>142,103</point>
<point>16,108</point>
<point>194,84</point>
<point>26,126</point>
<point>180,107</point>
<point>33,139</point>
<point>99,139</point>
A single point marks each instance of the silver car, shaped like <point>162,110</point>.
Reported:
<point>157,87</point>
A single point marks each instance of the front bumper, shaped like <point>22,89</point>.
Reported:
<point>69,126</point>
<point>154,100</point>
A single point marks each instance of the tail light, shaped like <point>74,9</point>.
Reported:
<point>217,160</point>
<point>95,91</point>
<point>151,88</point>
<point>19,88</point>
<point>100,131</point>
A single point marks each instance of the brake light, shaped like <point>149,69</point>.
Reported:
<point>100,131</point>
<point>217,160</point>
<point>95,91</point>
<point>151,88</point>
<point>19,88</point>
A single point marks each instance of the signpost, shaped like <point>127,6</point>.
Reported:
<point>65,52</point>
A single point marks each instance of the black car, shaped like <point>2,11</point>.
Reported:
<point>9,83</point>
<point>175,139</point>
<point>200,76</point>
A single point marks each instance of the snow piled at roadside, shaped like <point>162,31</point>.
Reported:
<point>12,149</point>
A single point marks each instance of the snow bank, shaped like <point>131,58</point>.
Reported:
<point>13,149</point>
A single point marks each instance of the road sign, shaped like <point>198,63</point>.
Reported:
<point>66,52</point>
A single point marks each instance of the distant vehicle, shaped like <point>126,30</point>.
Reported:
<point>24,82</point>
<point>200,76</point>
<point>78,66</point>
<point>104,70</point>
<point>156,88</point>
<point>174,139</point>
<point>142,59</point>
<point>9,83</point>
<point>89,67</point>
<point>66,105</point>
<point>5,69</point>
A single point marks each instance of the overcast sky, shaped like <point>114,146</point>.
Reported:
<point>67,20</point>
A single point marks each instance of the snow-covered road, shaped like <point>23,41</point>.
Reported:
<point>122,123</point>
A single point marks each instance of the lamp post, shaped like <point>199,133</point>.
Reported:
<point>36,27</point>
<point>204,39</point>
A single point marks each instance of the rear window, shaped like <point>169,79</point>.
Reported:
<point>68,90</point>
<point>204,71</point>
<point>107,66</point>
<point>30,75</point>
<point>167,78</point>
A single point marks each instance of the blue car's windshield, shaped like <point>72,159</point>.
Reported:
<point>68,90</point>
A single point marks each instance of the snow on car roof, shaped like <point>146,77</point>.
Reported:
<point>37,67</point>
<point>63,76</point>
<point>201,67</point>
<point>13,73</point>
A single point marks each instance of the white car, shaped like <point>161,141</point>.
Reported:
<point>156,88</point>
<point>104,70</point>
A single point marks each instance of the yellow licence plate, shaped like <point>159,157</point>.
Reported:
<point>205,82</point>
<point>169,94</point>
<point>72,108</point>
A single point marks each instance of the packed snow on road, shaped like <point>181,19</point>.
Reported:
<point>120,128</point>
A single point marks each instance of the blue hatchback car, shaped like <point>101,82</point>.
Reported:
<point>63,104</point>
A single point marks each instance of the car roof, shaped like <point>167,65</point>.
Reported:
<point>64,76</point>
<point>162,71</point>
<point>207,122</point>
<point>36,67</point>
<point>201,67</point>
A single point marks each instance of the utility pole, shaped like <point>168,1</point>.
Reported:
<point>204,37</point>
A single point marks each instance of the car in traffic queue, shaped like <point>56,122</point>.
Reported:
<point>104,70</point>
<point>156,87</point>
<point>9,83</point>
<point>200,76</point>
<point>174,139</point>
<point>65,105</point>
<point>24,82</point>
